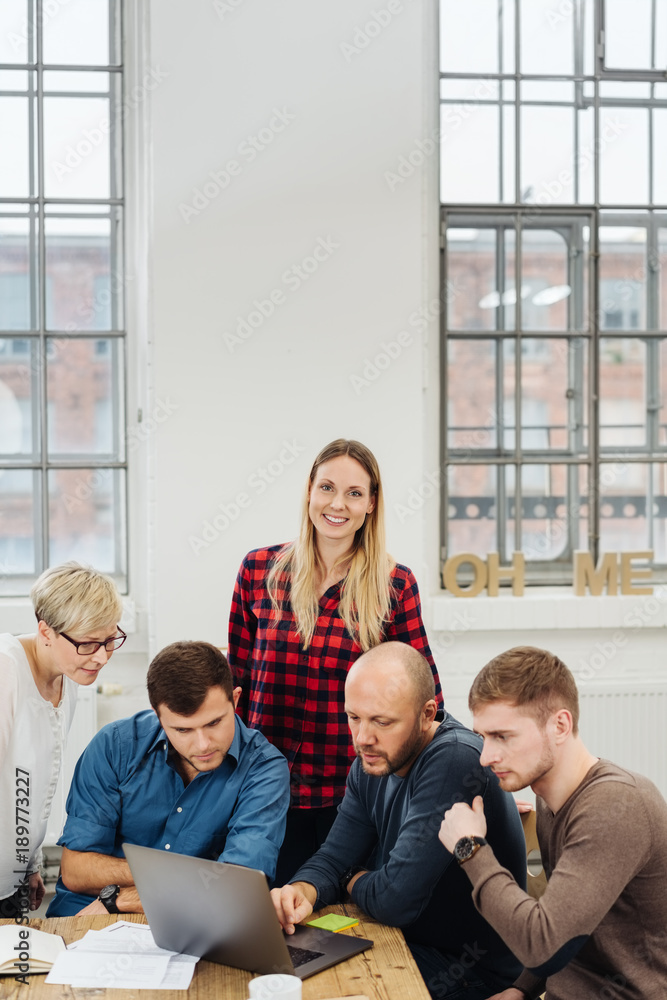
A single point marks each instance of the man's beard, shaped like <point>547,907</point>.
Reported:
<point>405,754</point>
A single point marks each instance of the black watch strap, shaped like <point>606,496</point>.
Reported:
<point>347,877</point>
<point>108,896</point>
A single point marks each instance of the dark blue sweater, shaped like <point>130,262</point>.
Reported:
<point>391,826</point>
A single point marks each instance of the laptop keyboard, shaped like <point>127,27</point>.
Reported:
<point>300,956</point>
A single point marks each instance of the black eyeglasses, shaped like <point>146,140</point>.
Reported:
<point>88,648</point>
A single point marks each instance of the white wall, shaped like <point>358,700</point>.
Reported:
<point>320,181</point>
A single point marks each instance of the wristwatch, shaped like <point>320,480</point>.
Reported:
<point>347,877</point>
<point>466,847</point>
<point>108,896</point>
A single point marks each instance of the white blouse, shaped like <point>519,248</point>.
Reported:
<point>32,743</point>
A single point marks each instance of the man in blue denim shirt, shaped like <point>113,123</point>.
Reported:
<point>187,776</point>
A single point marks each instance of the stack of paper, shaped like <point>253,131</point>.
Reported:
<point>122,956</point>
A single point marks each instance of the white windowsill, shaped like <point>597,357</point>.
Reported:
<point>547,608</point>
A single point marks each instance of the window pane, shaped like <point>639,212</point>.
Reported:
<point>15,290</point>
<point>469,36</point>
<point>87,284</point>
<point>623,278</point>
<point>624,48</point>
<point>82,380</point>
<point>658,513</point>
<point>508,165</point>
<point>20,530</point>
<point>507,428</point>
<point>469,171</point>
<point>471,273</point>
<point>71,80</point>
<point>662,413</point>
<point>552,496</point>
<point>471,394</point>
<point>544,401</point>
<point>76,147</point>
<point>623,156</point>
<point>85,520</point>
<point>547,37</point>
<point>16,80</point>
<point>78,33</point>
<point>584,157</point>
<point>662,277</point>
<point>15,132</point>
<point>471,522</point>
<point>622,393</point>
<point>623,505</point>
<point>659,156</point>
<point>544,306</point>
<point>19,427</point>
<point>547,155</point>
<point>14,31</point>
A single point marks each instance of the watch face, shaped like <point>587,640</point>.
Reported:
<point>108,892</point>
<point>464,848</point>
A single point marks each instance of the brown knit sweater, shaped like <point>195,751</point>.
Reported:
<point>600,929</point>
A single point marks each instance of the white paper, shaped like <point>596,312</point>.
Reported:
<point>122,955</point>
<point>111,971</point>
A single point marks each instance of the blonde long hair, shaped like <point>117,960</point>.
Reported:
<point>366,591</point>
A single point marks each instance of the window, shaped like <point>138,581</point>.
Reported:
<point>62,338</point>
<point>554,262</point>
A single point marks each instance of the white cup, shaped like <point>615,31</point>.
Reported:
<point>275,987</point>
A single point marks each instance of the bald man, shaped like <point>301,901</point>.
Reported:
<point>383,850</point>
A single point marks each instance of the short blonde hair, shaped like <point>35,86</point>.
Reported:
<point>530,678</point>
<point>76,598</point>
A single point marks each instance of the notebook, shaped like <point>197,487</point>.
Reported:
<point>224,913</point>
<point>24,950</point>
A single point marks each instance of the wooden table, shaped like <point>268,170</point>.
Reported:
<point>385,972</point>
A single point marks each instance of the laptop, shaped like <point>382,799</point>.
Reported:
<point>224,913</point>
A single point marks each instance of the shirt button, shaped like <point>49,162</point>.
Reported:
<point>167,846</point>
<point>179,810</point>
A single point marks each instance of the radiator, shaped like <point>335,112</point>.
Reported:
<point>84,727</point>
<point>627,723</point>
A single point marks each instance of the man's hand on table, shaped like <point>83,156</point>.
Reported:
<point>293,903</point>
<point>96,907</point>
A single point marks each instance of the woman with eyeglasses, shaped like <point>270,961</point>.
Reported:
<point>301,615</point>
<point>77,611</point>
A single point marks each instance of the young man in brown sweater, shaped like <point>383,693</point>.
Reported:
<point>599,932</point>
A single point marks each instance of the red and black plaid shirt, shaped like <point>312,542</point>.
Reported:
<point>296,696</point>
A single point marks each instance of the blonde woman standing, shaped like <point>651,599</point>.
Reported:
<point>301,613</point>
<point>77,611</point>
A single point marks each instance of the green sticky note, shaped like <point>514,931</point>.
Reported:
<point>333,922</point>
